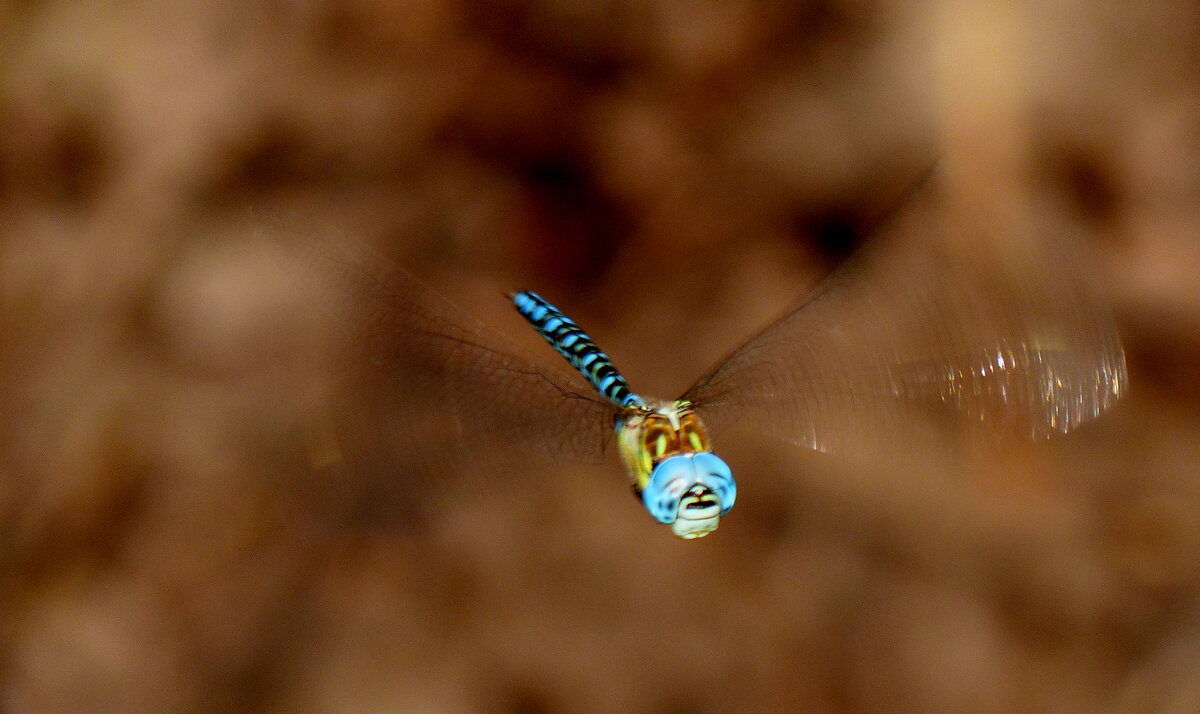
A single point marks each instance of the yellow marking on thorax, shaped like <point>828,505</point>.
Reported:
<point>646,437</point>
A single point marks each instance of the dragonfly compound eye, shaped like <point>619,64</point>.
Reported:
<point>690,492</point>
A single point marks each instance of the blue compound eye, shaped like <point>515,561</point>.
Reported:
<point>668,482</point>
<point>701,478</point>
<point>713,473</point>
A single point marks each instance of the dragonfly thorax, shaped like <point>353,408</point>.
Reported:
<point>681,482</point>
<point>649,434</point>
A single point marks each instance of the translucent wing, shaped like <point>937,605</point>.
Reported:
<point>439,402</point>
<point>929,337</point>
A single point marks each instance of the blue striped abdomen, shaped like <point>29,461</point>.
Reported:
<point>573,343</point>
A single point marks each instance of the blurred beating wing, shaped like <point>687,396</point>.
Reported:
<point>437,402</point>
<point>927,338</point>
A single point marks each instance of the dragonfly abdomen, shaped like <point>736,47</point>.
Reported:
<point>573,343</point>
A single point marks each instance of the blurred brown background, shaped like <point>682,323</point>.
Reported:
<point>674,174</point>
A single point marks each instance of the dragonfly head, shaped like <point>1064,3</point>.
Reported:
<point>690,492</point>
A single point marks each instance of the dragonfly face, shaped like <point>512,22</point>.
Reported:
<point>680,481</point>
<point>690,492</point>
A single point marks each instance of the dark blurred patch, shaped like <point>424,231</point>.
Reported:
<point>684,704</point>
<point>1087,181</point>
<point>596,42</point>
<point>834,230</point>
<point>575,230</point>
<point>277,154</point>
<point>523,698</point>
<point>569,226</point>
<point>360,33</point>
<point>516,110</point>
<point>793,28</point>
<point>89,527</point>
<point>1163,357</point>
<point>838,226</point>
<point>54,152</point>
<point>365,497</point>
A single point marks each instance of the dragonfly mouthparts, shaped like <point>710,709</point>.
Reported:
<point>701,497</point>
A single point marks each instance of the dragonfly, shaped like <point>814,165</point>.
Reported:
<point>927,338</point>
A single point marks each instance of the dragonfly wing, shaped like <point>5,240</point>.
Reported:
<point>437,402</point>
<point>928,337</point>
